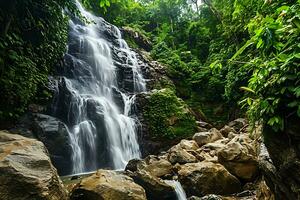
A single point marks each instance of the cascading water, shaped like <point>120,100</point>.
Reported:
<point>178,189</point>
<point>97,111</point>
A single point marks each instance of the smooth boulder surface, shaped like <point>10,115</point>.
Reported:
<point>207,137</point>
<point>155,187</point>
<point>204,178</point>
<point>54,133</point>
<point>179,154</point>
<point>108,185</point>
<point>147,172</point>
<point>26,171</point>
<point>239,157</point>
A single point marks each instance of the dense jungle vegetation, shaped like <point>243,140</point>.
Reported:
<point>227,58</point>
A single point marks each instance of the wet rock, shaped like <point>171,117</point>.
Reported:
<point>26,171</point>
<point>155,187</point>
<point>207,137</point>
<point>23,126</point>
<point>141,40</point>
<point>279,180</point>
<point>117,95</point>
<point>204,178</point>
<point>107,185</point>
<point>133,165</point>
<point>282,174</point>
<point>53,133</point>
<point>239,157</point>
<point>147,172</point>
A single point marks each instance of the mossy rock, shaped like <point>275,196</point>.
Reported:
<point>168,116</point>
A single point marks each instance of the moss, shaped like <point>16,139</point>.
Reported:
<point>168,116</point>
<point>136,38</point>
<point>164,82</point>
<point>34,42</point>
<point>130,41</point>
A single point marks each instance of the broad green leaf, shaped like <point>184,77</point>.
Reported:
<point>247,89</point>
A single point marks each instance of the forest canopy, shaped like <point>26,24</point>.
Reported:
<point>243,54</point>
<point>226,57</point>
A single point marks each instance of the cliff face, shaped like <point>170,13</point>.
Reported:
<point>281,169</point>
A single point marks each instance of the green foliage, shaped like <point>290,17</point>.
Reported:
<point>225,52</point>
<point>119,12</point>
<point>276,77</point>
<point>179,71</point>
<point>33,38</point>
<point>168,116</point>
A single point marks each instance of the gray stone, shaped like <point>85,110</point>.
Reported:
<point>207,137</point>
<point>108,185</point>
<point>26,171</point>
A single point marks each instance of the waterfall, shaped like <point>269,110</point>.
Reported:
<point>178,189</point>
<point>90,100</point>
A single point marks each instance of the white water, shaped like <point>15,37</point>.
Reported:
<point>178,189</point>
<point>95,81</point>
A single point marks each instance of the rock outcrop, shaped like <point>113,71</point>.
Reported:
<point>207,178</point>
<point>215,162</point>
<point>182,153</point>
<point>108,185</point>
<point>213,165</point>
<point>26,171</point>
<point>54,133</point>
<point>147,173</point>
<point>239,157</point>
<point>280,160</point>
<point>207,137</point>
<point>141,40</point>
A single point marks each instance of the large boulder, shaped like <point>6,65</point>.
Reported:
<point>207,137</point>
<point>189,145</point>
<point>156,166</point>
<point>184,152</point>
<point>213,148</point>
<point>26,171</point>
<point>54,133</point>
<point>239,157</point>
<point>204,178</point>
<point>159,167</point>
<point>107,185</point>
<point>146,175</point>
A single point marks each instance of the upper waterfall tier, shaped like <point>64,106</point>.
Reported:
<point>95,95</point>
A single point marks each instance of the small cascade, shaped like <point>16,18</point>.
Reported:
<point>178,189</point>
<point>90,100</point>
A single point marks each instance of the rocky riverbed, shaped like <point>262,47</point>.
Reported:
<point>213,164</point>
